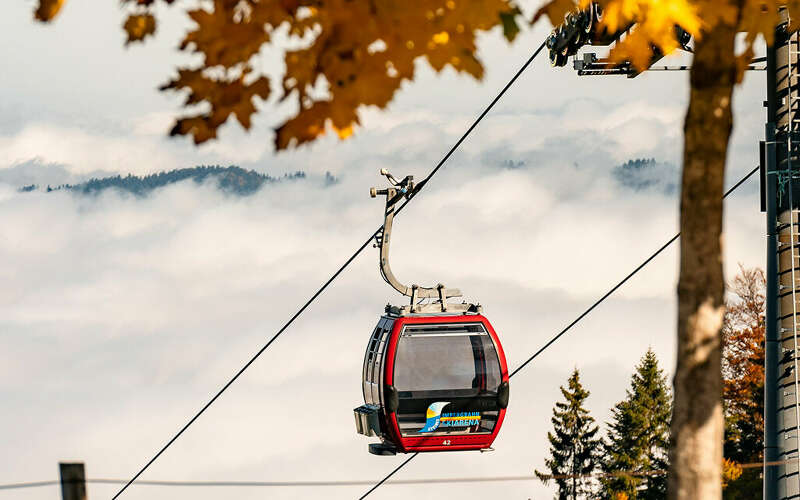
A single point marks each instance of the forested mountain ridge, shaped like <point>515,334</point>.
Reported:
<point>644,174</point>
<point>232,179</point>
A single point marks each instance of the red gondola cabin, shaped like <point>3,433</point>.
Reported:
<point>435,376</point>
<point>433,383</point>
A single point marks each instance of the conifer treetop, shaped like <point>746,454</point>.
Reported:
<point>574,444</point>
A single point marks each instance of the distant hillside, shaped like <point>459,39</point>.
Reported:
<point>647,174</point>
<point>231,179</point>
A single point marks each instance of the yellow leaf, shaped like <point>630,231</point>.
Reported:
<point>759,17</point>
<point>714,12</point>
<point>441,38</point>
<point>47,10</point>
<point>224,36</point>
<point>742,62</point>
<point>510,27</point>
<point>731,471</point>
<point>555,11</point>
<point>196,126</point>
<point>224,98</point>
<point>139,26</point>
<point>650,27</point>
<point>635,48</point>
<point>345,132</point>
<point>305,127</point>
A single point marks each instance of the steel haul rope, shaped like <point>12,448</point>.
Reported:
<point>416,191</point>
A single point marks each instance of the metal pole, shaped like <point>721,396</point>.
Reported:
<point>73,481</point>
<point>772,348</point>
<point>772,343</point>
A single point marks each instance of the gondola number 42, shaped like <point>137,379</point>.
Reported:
<point>446,442</point>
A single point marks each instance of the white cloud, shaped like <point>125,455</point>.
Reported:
<point>81,151</point>
<point>155,123</point>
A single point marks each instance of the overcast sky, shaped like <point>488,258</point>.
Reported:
<point>120,316</point>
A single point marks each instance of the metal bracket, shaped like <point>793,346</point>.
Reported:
<point>434,308</point>
<point>590,65</point>
<point>394,194</point>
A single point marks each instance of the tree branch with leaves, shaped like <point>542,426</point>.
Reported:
<point>340,56</point>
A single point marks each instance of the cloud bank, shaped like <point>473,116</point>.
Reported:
<point>121,316</point>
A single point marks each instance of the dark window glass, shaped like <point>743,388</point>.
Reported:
<point>447,378</point>
<point>369,358</point>
<point>387,329</point>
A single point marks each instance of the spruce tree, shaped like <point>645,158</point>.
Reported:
<point>638,436</point>
<point>573,445</point>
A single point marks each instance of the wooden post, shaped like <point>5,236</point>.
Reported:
<point>73,481</point>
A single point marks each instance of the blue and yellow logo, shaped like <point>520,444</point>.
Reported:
<point>434,418</point>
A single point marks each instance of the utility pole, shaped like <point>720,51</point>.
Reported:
<point>73,481</point>
<point>771,342</point>
<point>781,165</point>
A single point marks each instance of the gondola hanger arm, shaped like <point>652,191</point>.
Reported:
<point>405,189</point>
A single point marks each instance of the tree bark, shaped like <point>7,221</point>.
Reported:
<point>697,422</point>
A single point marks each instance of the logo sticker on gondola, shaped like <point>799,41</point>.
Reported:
<point>434,418</point>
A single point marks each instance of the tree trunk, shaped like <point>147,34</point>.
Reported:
<point>574,472</point>
<point>697,422</point>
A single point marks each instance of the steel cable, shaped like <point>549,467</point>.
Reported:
<point>414,193</point>
<point>360,482</point>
